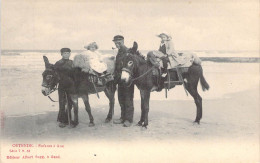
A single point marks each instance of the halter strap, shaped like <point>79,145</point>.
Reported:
<point>144,74</point>
<point>126,70</point>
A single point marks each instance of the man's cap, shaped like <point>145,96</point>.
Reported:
<point>65,50</point>
<point>118,38</point>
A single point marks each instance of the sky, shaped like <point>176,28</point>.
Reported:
<point>193,25</point>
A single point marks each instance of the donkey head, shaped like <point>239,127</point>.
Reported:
<point>130,64</point>
<point>50,78</point>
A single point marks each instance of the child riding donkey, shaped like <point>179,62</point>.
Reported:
<point>166,49</point>
<point>167,58</point>
<point>93,56</point>
<point>92,61</point>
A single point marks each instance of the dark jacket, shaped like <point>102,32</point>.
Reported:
<point>119,62</point>
<point>163,49</point>
<point>64,65</point>
<point>64,68</point>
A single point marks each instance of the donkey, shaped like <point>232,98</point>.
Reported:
<point>138,71</point>
<point>77,85</point>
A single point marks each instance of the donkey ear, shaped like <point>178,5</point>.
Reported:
<point>135,47</point>
<point>46,61</point>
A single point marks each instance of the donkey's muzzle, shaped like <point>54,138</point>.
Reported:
<point>125,76</point>
<point>45,91</point>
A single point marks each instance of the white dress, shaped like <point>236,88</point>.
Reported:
<point>95,61</point>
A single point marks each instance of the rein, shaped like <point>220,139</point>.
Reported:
<point>144,74</point>
<point>54,89</point>
<point>52,99</point>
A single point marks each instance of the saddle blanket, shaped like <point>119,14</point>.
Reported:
<point>183,60</point>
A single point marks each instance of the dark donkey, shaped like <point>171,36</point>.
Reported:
<point>136,69</point>
<point>77,85</point>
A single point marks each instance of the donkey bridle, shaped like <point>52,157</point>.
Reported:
<point>131,74</point>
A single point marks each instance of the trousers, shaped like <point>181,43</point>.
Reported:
<point>125,98</point>
<point>64,100</point>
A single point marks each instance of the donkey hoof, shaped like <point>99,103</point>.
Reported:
<point>144,126</point>
<point>108,120</point>
<point>91,124</point>
<point>139,123</point>
<point>196,122</point>
<point>73,124</point>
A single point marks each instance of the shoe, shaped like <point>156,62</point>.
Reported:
<point>127,124</point>
<point>164,74</point>
<point>99,82</point>
<point>62,125</point>
<point>118,121</point>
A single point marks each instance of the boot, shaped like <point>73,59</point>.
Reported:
<point>127,123</point>
<point>62,125</point>
<point>118,121</point>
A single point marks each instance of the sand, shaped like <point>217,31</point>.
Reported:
<point>225,133</point>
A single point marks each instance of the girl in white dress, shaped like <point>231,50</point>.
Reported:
<point>94,57</point>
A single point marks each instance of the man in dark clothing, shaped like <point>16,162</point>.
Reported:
<point>125,94</point>
<point>63,67</point>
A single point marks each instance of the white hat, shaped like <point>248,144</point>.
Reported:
<point>164,34</point>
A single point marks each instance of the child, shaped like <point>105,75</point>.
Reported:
<point>64,63</point>
<point>95,59</point>
<point>63,66</point>
<point>166,53</point>
<point>166,47</point>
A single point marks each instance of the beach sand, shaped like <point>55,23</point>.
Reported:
<point>229,132</point>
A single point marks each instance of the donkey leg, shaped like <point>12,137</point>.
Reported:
<point>110,93</point>
<point>140,123</point>
<point>146,99</point>
<point>199,111</point>
<point>88,109</point>
<point>74,100</point>
<point>192,89</point>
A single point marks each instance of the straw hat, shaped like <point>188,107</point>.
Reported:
<point>164,34</point>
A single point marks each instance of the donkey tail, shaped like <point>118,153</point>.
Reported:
<point>203,82</point>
